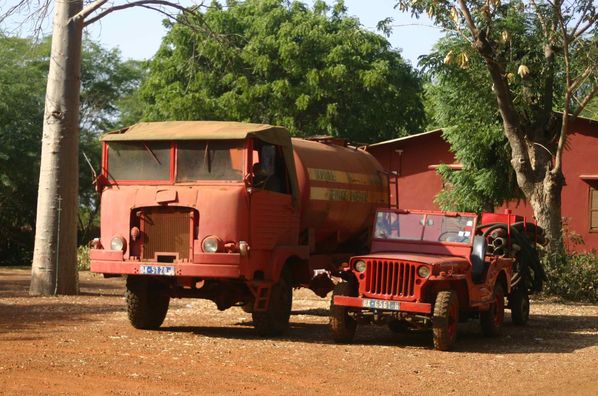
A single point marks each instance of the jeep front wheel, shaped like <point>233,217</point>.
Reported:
<point>445,319</point>
<point>492,319</point>
<point>519,303</point>
<point>343,326</point>
<point>147,302</point>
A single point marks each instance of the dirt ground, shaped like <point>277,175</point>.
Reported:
<point>85,345</point>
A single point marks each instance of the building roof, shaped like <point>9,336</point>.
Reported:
<point>405,138</point>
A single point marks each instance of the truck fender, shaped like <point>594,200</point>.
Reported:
<point>297,257</point>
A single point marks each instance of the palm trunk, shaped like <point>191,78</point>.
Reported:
<point>54,268</point>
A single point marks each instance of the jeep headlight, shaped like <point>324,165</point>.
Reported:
<point>359,266</point>
<point>117,243</point>
<point>423,271</point>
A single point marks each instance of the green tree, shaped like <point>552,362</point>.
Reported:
<point>23,70</point>
<point>539,56</point>
<point>106,80</point>
<point>315,71</point>
<point>461,101</point>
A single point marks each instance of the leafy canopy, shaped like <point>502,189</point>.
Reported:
<point>315,71</point>
<point>105,81</point>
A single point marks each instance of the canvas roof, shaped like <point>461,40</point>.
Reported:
<point>199,130</point>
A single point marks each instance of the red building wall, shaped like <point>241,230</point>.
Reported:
<point>418,184</point>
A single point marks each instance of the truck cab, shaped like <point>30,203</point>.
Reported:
<point>430,269</point>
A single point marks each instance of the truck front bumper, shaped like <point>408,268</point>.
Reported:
<point>365,303</point>
<point>205,265</point>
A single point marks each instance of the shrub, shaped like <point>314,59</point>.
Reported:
<point>83,258</point>
<point>573,277</point>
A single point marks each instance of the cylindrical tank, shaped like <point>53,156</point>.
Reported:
<point>340,189</point>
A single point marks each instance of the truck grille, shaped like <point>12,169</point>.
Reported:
<point>166,230</point>
<point>389,278</point>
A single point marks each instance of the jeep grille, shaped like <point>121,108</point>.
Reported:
<point>389,278</point>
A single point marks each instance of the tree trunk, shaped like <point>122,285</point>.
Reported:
<point>54,268</point>
<point>545,200</point>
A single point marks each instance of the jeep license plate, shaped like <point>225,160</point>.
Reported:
<point>381,304</point>
<point>164,270</point>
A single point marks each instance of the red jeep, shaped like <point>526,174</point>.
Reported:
<point>434,269</point>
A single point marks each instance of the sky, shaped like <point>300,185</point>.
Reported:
<point>137,32</point>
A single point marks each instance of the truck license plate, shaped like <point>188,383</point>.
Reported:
<point>381,304</point>
<point>164,270</point>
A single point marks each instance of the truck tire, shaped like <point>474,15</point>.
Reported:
<point>343,326</point>
<point>147,302</point>
<point>492,319</point>
<point>445,319</point>
<point>519,303</point>
<point>275,320</point>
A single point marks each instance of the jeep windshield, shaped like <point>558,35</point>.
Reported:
<point>195,161</point>
<point>425,227</point>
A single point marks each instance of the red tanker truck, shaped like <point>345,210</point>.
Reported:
<point>236,213</point>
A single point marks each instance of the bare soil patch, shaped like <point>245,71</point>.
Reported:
<point>73,345</point>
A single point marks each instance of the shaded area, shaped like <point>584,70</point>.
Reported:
<point>544,333</point>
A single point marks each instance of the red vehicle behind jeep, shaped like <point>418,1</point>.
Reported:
<point>434,269</point>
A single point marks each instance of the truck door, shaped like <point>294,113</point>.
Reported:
<point>274,217</point>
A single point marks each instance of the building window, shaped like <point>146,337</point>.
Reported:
<point>593,210</point>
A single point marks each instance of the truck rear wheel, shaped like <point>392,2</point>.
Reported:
<point>445,319</point>
<point>275,320</point>
<point>492,319</point>
<point>147,302</point>
<point>343,326</point>
<point>519,303</point>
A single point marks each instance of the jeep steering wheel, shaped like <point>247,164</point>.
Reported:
<point>441,239</point>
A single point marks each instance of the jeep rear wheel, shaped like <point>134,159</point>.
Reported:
<point>445,319</point>
<point>275,320</point>
<point>492,319</point>
<point>343,326</point>
<point>519,303</point>
<point>147,302</point>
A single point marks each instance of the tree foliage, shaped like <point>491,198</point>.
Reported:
<point>462,103</point>
<point>315,71</point>
<point>106,79</point>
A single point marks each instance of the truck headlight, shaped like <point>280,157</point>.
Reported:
<point>212,244</point>
<point>117,243</point>
<point>359,266</point>
<point>423,271</point>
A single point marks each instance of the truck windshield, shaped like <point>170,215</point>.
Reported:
<point>424,227</point>
<point>210,160</point>
<point>139,160</point>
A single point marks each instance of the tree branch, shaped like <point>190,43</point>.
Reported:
<point>468,18</point>
<point>585,101</point>
<point>88,10</point>
<point>135,4</point>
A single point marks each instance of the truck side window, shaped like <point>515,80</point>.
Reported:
<point>270,171</point>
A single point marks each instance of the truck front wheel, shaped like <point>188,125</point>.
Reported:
<point>343,326</point>
<point>147,302</point>
<point>444,322</point>
<point>519,303</point>
<point>492,319</point>
<point>275,320</point>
